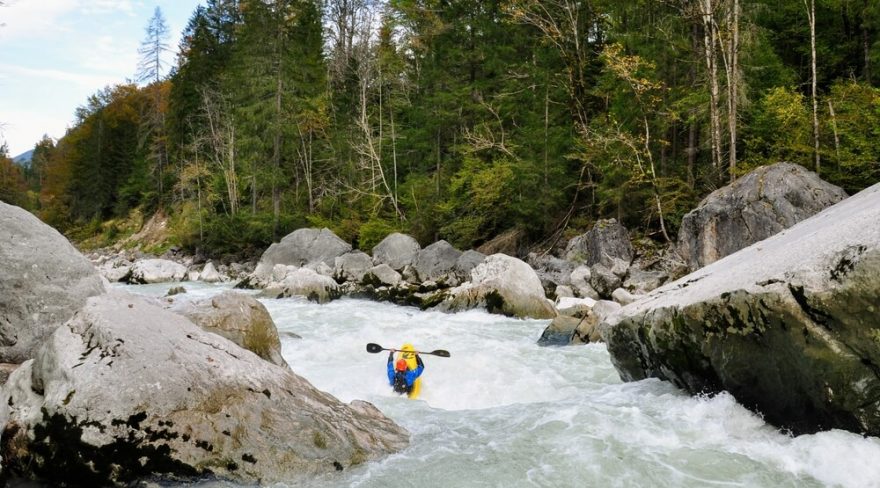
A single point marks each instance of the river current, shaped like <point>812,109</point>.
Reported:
<point>505,412</point>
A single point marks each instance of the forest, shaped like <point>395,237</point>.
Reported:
<point>460,120</point>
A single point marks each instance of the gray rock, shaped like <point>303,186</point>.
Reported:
<point>382,275</point>
<point>580,283</point>
<point>564,291</point>
<point>300,248</point>
<point>6,370</point>
<point>640,282</point>
<point>303,282</point>
<point>396,250</point>
<point>559,332</point>
<point>238,317</point>
<point>114,270</point>
<point>155,271</point>
<point>787,325</point>
<point>209,274</point>
<point>754,207</point>
<point>129,391</point>
<point>43,282</point>
<point>504,285</point>
<point>605,241</point>
<point>436,261</point>
<point>589,330</point>
<point>468,260</point>
<point>352,266</point>
<point>551,270</point>
<point>623,297</point>
<point>604,280</point>
<point>175,290</point>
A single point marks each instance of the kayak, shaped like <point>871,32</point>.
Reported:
<point>408,353</point>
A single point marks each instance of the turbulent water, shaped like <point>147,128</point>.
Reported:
<point>504,412</point>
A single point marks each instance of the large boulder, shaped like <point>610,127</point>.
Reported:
<point>155,271</point>
<point>302,282</point>
<point>752,208</point>
<point>397,251</point>
<point>505,285</point>
<point>126,390</point>
<point>788,325</point>
<point>238,317</point>
<point>607,240</point>
<point>465,263</point>
<point>352,266</point>
<point>302,247</point>
<point>43,282</point>
<point>436,261</point>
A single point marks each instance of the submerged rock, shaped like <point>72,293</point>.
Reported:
<point>126,390</point>
<point>504,285</point>
<point>238,317</point>
<point>752,208</point>
<point>788,325</point>
<point>43,282</point>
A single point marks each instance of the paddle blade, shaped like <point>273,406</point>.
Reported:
<point>440,352</point>
<point>374,348</point>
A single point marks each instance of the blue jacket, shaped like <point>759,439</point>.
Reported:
<point>409,376</point>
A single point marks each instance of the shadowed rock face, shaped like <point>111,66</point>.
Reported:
<point>788,325</point>
<point>127,390</point>
<point>606,241</point>
<point>752,208</point>
<point>43,281</point>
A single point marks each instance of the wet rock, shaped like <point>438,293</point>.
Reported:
<point>787,325</point>
<point>589,330</point>
<point>43,282</point>
<point>504,285</point>
<point>126,391</point>
<point>753,208</point>
<point>559,332</point>
<point>237,317</point>
<point>175,290</point>
<point>397,251</point>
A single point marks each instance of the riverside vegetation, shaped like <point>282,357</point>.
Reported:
<point>459,120</point>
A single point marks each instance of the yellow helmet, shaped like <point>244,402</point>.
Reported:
<point>407,350</point>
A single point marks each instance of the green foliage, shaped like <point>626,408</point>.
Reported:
<point>374,230</point>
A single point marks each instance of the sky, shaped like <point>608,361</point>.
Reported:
<point>55,53</point>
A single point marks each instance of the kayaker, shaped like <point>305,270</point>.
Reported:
<point>401,376</point>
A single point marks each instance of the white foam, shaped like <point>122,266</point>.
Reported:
<point>503,411</point>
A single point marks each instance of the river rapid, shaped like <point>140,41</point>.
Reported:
<point>505,412</point>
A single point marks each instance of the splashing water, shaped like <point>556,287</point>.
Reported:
<point>505,412</point>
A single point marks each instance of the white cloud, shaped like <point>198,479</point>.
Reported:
<point>23,129</point>
<point>87,80</point>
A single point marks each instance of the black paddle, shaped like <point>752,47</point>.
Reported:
<point>374,348</point>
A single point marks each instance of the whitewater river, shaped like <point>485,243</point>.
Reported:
<point>504,412</point>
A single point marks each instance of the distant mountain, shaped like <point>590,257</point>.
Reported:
<point>23,159</point>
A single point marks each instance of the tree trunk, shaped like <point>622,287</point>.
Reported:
<point>811,16</point>
<point>733,85</point>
